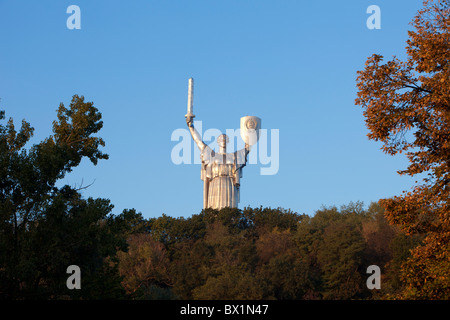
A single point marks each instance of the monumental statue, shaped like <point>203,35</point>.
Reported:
<point>221,172</point>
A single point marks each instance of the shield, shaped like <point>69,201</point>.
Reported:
<point>250,129</point>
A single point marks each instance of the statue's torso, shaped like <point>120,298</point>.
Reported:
<point>222,164</point>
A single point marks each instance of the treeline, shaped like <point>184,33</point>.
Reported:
<point>264,253</point>
<point>254,253</point>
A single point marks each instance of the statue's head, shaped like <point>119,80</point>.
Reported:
<point>222,141</point>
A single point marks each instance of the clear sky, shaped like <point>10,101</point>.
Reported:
<point>292,63</point>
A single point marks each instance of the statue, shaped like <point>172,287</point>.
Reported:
<point>221,171</point>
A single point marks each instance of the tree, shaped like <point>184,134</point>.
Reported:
<point>145,267</point>
<point>43,228</point>
<point>407,107</point>
<point>190,267</point>
<point>283,271</point>
<point>339,256</point>
<point>70,230</point>
<point>234,283</point>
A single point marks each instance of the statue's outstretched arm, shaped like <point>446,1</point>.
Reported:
<point>194,133</point>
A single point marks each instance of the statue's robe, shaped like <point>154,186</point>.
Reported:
<point>221,174</point>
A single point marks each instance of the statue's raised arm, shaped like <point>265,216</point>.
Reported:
<point>194,133</point>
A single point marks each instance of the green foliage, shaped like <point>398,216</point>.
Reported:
<point>339,256</point>
<point>45,229</point>
<point>265,253</point>
<point>232,283</point>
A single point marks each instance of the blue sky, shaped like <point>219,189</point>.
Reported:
<point>292,63</point>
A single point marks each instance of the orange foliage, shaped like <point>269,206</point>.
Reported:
<point>407,107</point>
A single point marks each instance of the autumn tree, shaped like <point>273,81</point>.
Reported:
<point>235,282</point>
<point>283,271</point>
<point>144,267</point>
<point>406,105</point>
